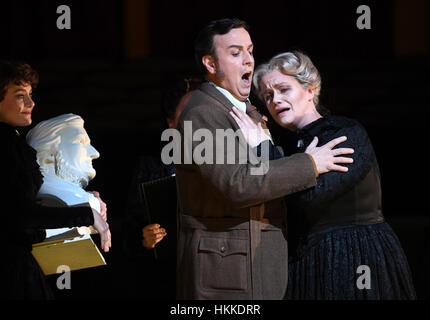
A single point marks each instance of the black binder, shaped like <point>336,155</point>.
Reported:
<point>159,197</point>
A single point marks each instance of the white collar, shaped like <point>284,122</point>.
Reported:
<point>237,103</point>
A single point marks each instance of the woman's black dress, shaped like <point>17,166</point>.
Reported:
<point>337,227</point>
<point>23,220</point>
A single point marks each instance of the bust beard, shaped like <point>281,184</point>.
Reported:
<point>68,184</point>
<point>64,171</point>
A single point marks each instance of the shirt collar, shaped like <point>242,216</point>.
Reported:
<point>237,103</point>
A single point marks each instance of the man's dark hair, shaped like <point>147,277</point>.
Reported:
<point>204,43</point>
<point>175,87</point>
<point>18,73</point>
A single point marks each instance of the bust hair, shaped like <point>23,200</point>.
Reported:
<point>295,64</point>
<point>18,73</point>
<point>204,42</point>
<point>44,138</point>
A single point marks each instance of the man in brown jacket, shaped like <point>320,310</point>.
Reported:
<point>232,241</point>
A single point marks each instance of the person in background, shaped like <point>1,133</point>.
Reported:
<point>154,263</point>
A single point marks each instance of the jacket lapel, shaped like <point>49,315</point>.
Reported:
<point>210,90</point>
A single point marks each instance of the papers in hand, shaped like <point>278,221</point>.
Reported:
<point>63,233</point>
<point>71,247</point>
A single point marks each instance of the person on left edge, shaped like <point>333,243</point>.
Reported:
<point>22,218</point>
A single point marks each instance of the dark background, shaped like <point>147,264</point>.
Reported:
<point>110,68</point>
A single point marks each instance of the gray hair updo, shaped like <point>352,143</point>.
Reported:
<point>295,64</point>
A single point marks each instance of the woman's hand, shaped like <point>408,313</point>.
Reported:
<point>103,206</point>
<point>254,133</point>
<point>103,228</point>
<point>152,234</point>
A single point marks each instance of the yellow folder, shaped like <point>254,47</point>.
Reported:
<point>66,247</point>
<point>76,253</point>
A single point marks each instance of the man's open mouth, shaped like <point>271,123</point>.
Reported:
<point>246,77</point>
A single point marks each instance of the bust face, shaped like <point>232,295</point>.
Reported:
<point>76,154</point>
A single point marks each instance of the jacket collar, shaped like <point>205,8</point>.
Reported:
<point>241,105</point>
<point>213,92</point>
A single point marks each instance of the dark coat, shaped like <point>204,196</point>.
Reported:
<point>23,220</point>
<point>232,241</point>
<point>339,225</point>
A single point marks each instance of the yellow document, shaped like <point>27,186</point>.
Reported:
<point>76,253</point>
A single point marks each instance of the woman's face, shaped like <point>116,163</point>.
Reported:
<point>287,101</point>
<point>17,105</point>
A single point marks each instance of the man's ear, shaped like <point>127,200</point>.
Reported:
<point>171,123</point>
<point>209,62</point>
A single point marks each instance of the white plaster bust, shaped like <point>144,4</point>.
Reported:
<point>65,155</point>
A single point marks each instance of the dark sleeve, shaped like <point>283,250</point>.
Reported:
<point>333,184</point>
<point>43,217</point>
<point>135,216</point>
<point>135,220</point>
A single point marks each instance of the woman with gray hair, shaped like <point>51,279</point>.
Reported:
<point>345,249</point>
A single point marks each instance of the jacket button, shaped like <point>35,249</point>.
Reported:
<point>222,249</point>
